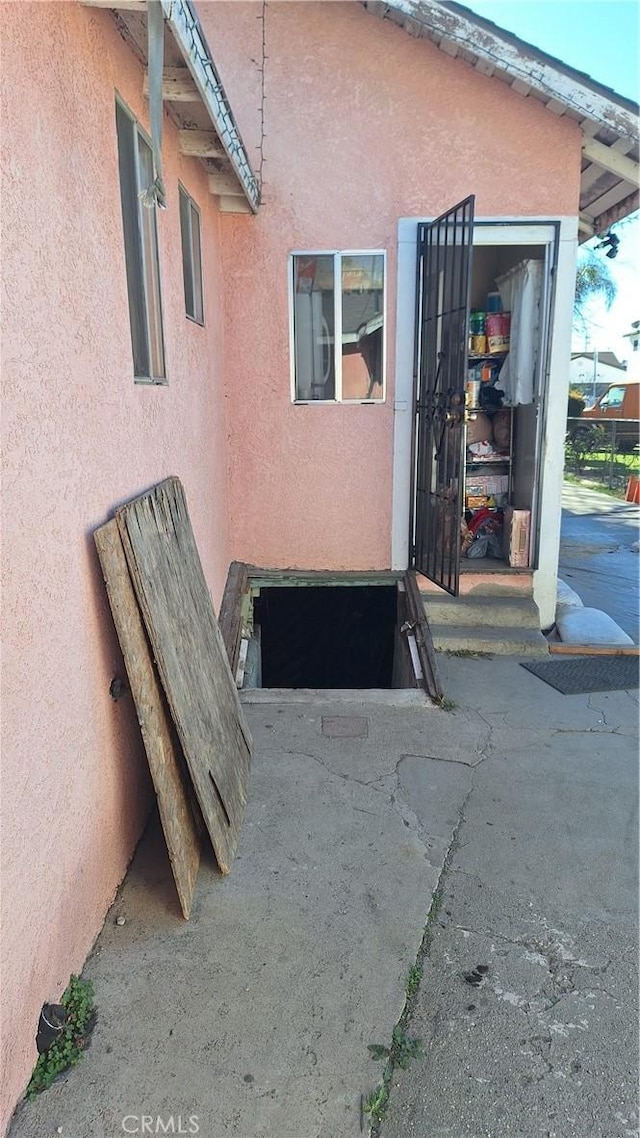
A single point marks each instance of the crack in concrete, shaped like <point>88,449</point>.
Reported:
<point>589,730</point>
<point>598,711</point>
<point>369,784</point>
<point>442,759</point>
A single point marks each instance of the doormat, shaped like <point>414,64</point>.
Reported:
<point>584,674</point>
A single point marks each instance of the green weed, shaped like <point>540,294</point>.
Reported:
<point>66,1050</point>
<point>413,980</point>
<point>399,1054</point>
<point>376,1104</point>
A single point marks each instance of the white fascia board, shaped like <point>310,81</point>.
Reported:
<point>536,70</point>
<point>184,24</point>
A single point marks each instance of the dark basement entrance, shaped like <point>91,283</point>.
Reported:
<point>327,636</point>
<point>292,630</point>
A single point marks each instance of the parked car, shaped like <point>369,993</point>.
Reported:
<point>621,401</point>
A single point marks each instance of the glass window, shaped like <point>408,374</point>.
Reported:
<point>141,250</point>
<point>613,397</point>
<point>338,326</point>
<point>191,257</point>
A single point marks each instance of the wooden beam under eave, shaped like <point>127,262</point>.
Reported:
<point>200,144</point>
<point>124,5</point>
<point>229,204</point>
<point>585,225</point>
<point>177,86</point>
<point>520,87</point>
<point>225,184</point>
<point>556,107</point>
<point>611,160</point>
<point>622,209</point>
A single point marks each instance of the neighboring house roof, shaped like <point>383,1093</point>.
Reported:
<point>195,96</point>
<point>608,358</point>
<point>610,171</point>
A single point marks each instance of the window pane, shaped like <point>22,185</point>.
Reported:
<point>149,233</point>
<point>196,260</point>
<point>187,271</point>
<point>362,326</point>
<point>613,398</point>
<point>126,132</point>
<point>313,326</point>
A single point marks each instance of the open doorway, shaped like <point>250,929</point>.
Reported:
<point>480,341</point>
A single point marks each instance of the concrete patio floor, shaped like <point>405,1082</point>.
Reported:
<point>254,1018</point>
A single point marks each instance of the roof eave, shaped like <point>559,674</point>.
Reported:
<point>503,51</point>
<point>609,122</point>
<point>195,97</point>
<point>185,26</point>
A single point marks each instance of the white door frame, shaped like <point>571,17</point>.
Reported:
<point>493,231</point>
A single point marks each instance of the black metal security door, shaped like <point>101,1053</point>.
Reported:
<point>441,350</point>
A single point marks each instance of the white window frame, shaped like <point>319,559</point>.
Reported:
<point>197,283</point>
<point>337,254</point>
<point>148,379</point>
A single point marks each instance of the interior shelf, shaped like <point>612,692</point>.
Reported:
<point>503,461</point>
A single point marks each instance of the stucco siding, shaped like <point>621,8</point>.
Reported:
<point>79,436</point>
<point>363,125</point>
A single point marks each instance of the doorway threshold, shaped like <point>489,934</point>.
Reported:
<point>490,565</point>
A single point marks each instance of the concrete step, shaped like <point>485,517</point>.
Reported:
<point>497,641</point>
<point>512,583</point>
<point>483,611</point>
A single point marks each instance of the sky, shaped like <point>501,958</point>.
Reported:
<point>601,38</point>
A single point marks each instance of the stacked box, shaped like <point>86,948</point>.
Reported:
<point>489,484</point>
<point>517,533</point>
<point>486,486</point>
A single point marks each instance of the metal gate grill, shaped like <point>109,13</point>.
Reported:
<point>442,306</point>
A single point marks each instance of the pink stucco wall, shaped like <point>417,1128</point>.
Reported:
<point>79,437</point>
<point>363,125</point>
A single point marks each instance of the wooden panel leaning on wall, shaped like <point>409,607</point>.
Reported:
<point>166,761</point>
<point>193,726</point>
<point>190,656</point>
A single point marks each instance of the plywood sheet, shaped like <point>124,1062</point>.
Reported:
<point>190,657</point>
<point>166,762</point>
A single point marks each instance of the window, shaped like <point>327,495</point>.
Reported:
<point>191,257</point>
<point>141,249</point>
<point>613,397</point>
<point>337,326</point>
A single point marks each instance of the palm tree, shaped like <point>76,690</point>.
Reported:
<point>593,279</point>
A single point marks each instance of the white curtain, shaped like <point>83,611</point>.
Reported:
<point>521,292</point>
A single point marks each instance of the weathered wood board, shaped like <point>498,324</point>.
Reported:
<point>230,616</point>
<point>190,657</point>
<point>166,761</point>
<point>415,607</point>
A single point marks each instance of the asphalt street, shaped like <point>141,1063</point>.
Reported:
<point>597,554</point>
